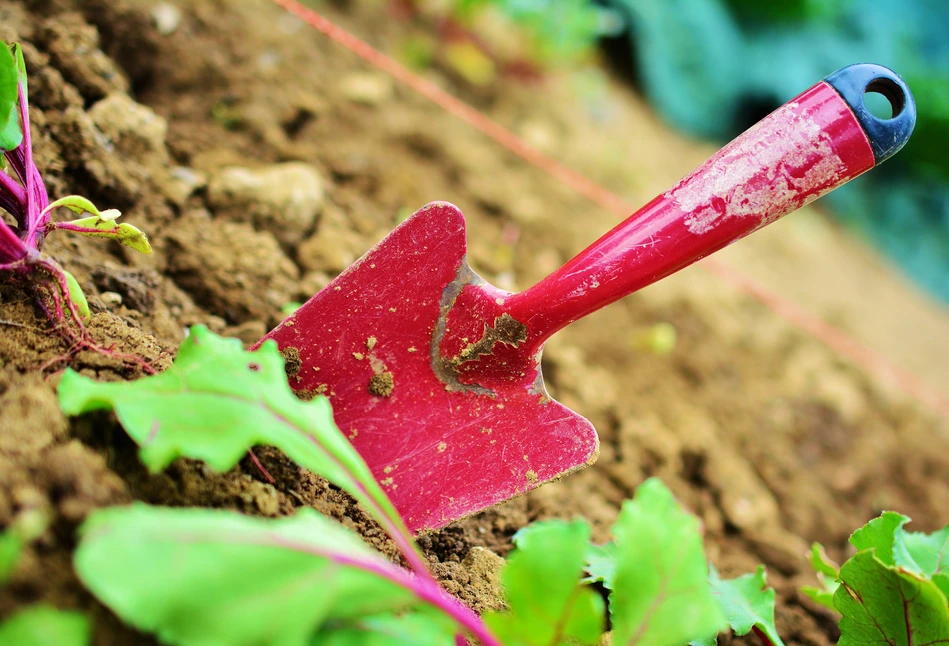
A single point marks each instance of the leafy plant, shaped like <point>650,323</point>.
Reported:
<point>42,625</point>
<point>199,577</point>
<point>23,195</point>
<point>38,625</point>
<point>560,31</point>
<point>894,589</point>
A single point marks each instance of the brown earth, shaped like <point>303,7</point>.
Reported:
<point>768,436</point>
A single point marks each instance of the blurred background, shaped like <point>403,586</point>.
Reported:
<point>712,68</point>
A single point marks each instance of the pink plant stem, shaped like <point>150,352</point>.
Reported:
<point>399,535</point>
<point>426,589</point>
<point>12,249</point>
<point>431,593</point>
<point>35,190</point>
<point>16,193</point>
<point>66,226</point>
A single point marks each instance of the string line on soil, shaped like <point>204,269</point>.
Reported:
<point>839,341</point>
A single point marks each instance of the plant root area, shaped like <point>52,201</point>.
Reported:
<point>263,159</point>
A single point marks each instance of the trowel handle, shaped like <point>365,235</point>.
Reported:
<point>809,146</point>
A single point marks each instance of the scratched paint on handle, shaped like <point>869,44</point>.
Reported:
<point>784,162</point>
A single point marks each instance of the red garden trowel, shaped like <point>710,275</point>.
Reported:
<point>434,375</point>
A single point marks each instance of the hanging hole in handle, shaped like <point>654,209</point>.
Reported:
<point>884,99</point>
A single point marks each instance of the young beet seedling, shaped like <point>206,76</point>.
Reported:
<point>23,195</point>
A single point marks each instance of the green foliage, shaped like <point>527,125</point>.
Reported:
<point>10,547</point>
<point>77,296</point>
<point>893,590</point>
<point>748,603</point>
<point>658,575</point>
<point>560,31</point>
<point>422,628</point>
<point>215,402</point>
<point>548,604</point>
<point>101,224</point>
<point>926,555</point>
<point>10,134</point>
<point>43,625</point>
<point>827,576</point>
<point>222,578</point>
<point>888,606</point>
<point>601,564</point>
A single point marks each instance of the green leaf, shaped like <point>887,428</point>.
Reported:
<point>10,547</point>
<point>218,400</point>
<point>925,554</point>
<point>202,577</point>
<point>21,68</point>
<point>44,625</point>
<point>879,534</point>
<point>821,563</point>
<point>827,572</point>
<point>101,224</point>
<point>125,233</point>
<point>417,628</point>
<point>77,296</point>
<point>541,580</point>
<point>10,134</point>
<point>661,594</point>
<point>76,203</point>
<point>601,564</point>
<point>747,602</point>
<point>887,606</point>
<point>823,595</point>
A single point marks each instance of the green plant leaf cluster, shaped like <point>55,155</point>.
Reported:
<point>101,224</point>
<point>893,591</point>
<point>36,625</point>
<point>43,625</point>
<point>828,577</point>
<point>747,602</point>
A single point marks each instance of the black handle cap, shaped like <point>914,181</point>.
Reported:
<point>886,136</point>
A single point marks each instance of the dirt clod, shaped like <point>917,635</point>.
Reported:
<point>382,384</point>
<point>291,361</point>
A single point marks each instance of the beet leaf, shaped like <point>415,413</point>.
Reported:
<point>888,606</point>
<point>893,590</point>
<point>541,579</point>
<point>418,628</point>
<point>202,577</point>
<point>828,574</point>
<point>43,625</point>
<point>10,134</point>
<point>216,402</point>
<point>924,554</point>
<point>10,547</point>
<point>748,603</point>
<point>657,573</point>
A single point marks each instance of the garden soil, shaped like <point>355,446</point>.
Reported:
<point>262,159</point>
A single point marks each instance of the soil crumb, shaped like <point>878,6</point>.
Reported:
<point>382,384</point>
<point>292,362</point>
